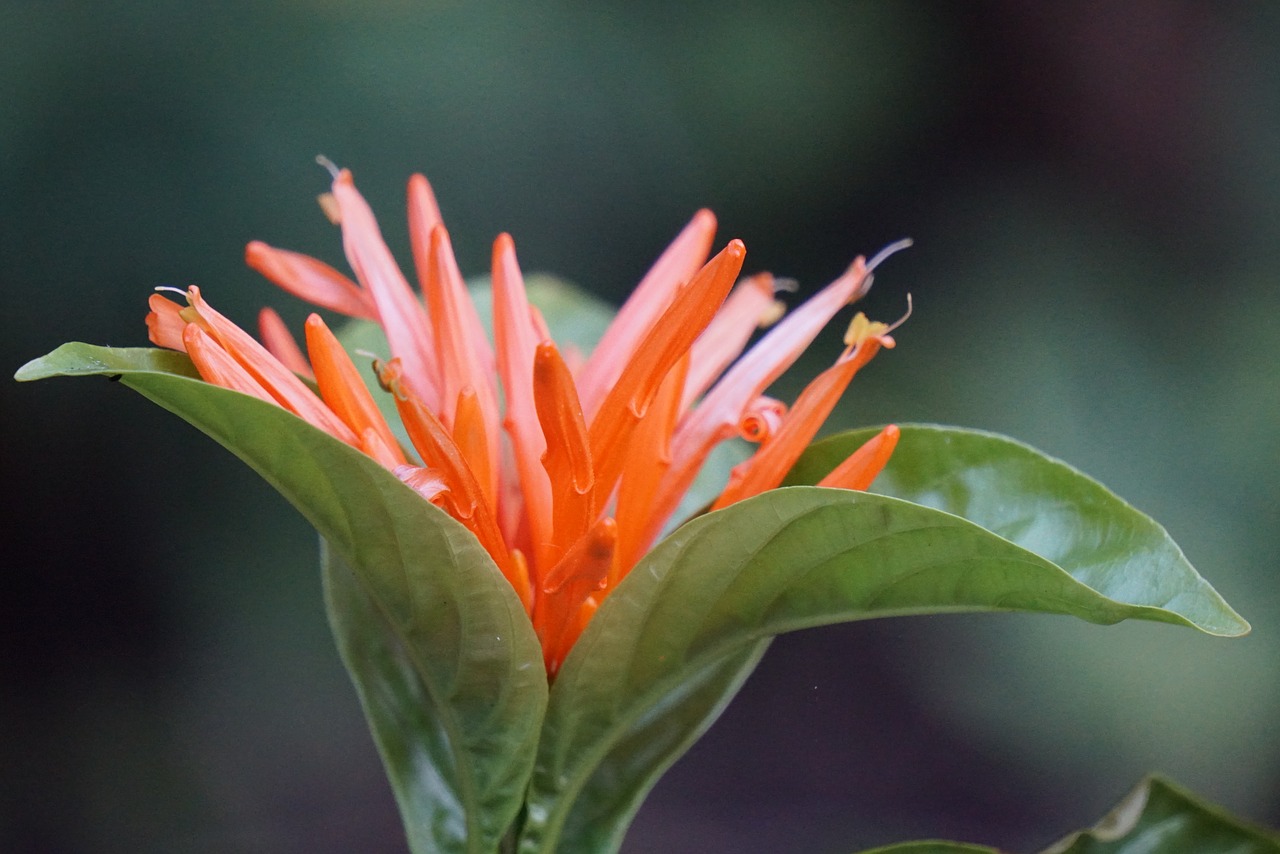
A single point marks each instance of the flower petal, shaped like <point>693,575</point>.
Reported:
<point>343,389</point>
<point>644,308</point>
<point>647,461</point>
<point>694,306</point>
<point>728,333</point>
<point>424,212</point>
<point>217,367</point>
<point>312,280</point>
<point>582,571</point>
<point>568,458</point>
<point>165,324</point>
<point>464,500</point>
<point>718,415</point>
<point>280,343</point>
<point>769,465</point>
<point>462,351</point>
<point>861,467</point>
<point>289,391</point>
<point>426,482</point>
<point>399,311</point>
<point>516,339</point>
<point>472,437</point>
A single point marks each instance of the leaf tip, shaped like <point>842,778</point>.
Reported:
<point>1235,626</point>
<point>40,368</point>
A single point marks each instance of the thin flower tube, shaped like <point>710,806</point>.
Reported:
<point>566,470</point>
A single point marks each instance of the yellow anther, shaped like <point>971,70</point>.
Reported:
<point>329,205</point>
<point>772,314</point>
<point>860,329</point>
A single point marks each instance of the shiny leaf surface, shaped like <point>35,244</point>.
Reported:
<point>1043,505</point>
<point>442,654</point>
<point>803,556</point>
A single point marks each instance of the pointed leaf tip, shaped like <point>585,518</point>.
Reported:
<point>1046,507</point>
<point>76,359</point>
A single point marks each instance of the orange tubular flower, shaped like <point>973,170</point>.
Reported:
<point>566,471</point>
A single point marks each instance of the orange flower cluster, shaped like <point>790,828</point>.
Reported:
<point>565,470</point>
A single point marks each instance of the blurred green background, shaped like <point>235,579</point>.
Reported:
<point>1095,196</point>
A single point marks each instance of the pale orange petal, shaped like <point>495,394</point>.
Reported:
<point>728,333</point>
<point>695,305</point>
<point>312,280</point>
<point>761,419</point>
<point>280,343</point>
<point>291,392</point>
<point>165,324</point>
<point>399,311</point>
<point>516,338</point>
<point>644,309</point>
<point>217,367</point>
<point>462,351</point>
<point>426,482</point>
<point>424,212</point>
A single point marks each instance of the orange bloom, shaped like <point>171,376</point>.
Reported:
<point>572,479</point>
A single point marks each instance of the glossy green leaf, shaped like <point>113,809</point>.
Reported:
<point>803,556</point>
<point>1160,818</point>
<point>1045,506</point>
<point>441,651</point>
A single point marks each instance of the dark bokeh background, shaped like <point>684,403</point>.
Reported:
<point>1095,195</point>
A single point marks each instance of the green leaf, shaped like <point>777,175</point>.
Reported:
<point>1155,818</point>
<point>445,660</point>
<point>1160,818</point>
<point>79,360</point>
<point>648,739</point>
<point>931,846</point>
<point>803,556</point>
<point>1045,506</point>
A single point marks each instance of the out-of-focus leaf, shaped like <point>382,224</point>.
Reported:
<point>576,318</point>
<point>1155,818</point>
<point>446,662</point>
<point>1160,818</point>
<point>931,846</point>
